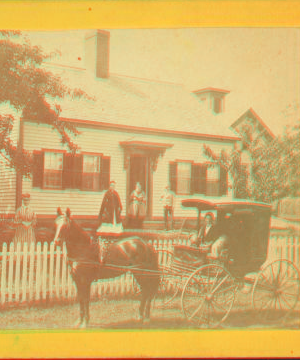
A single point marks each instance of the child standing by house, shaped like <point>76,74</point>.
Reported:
<point>167,198</point>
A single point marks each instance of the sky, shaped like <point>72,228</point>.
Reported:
<point>259,66</point>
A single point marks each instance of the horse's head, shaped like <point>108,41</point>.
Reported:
<point>62,225</point>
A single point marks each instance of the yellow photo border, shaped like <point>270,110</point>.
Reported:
<point>63,15</point>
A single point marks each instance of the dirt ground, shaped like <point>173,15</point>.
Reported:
<point>123,314</point>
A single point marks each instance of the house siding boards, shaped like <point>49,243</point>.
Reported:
<point>7,190</point>
<point>107,142</point>
<point>8,175</point>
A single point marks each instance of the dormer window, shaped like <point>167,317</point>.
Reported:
<point>217,105</point>
<point>215,99</point>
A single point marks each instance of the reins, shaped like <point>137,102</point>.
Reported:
<point>132,268</point>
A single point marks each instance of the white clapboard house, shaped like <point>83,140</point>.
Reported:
<point>135,130</point>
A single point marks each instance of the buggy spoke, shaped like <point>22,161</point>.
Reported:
<point>215,279</point>
<point>198,309</point>
<point>225,289</point>
<point>219,284</point>
<point>278,274</point>
<point>266,280</point>
<point>285,301</point>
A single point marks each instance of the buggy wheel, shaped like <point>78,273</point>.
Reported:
<point>276,290</point>
<point>208,296</point>
<point>168,290</point>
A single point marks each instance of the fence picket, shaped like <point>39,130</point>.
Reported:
<point>57,271</point>
<point>69,284</point>
<point>64,271</point>
<point>17,275</point>
<point>10,272</point>
<point>45,272</point>
<point>38,272</point>
<point>3,274</point>
<point>24,272</point>
<point>31,270</point>
<point>51,270</point>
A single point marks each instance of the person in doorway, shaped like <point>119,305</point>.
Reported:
<point>167,198</point>
<point>110,211</point>
<point>25,221</point>
<point>137,207</point>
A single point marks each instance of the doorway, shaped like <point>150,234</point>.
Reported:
<point>139,172</point>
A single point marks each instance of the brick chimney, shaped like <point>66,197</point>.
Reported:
<point>97,53</point>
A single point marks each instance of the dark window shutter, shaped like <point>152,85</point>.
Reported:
<point>198,179</point>
<point>105,173</point>
<point>203,179</point>
<point>223,181</point>
<point>38,169</point>
<point>67,176</point>
<point>173,176</point>
<point>77,171</point>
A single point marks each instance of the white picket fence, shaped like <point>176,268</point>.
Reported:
<point>40,273</point>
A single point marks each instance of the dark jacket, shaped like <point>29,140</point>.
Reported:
<point>111,203</point>
<point>208,238</point>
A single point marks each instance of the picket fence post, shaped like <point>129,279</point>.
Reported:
<point>10,271</point>
<point>17,275</point>
<point>38,272</point>
<point>45,268</point>
<point>3,274</point>
<point>64,271</point>
<point>57,271</point>
<point>31,270</point>
<point>51,270</point>
<point>24,272</point>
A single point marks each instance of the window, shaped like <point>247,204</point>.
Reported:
<point>217,105</point>
<point>91,173</point>
<point>62,170</point>
<point>183,178</point>
<point>53,167</point>
<point>188,178</point>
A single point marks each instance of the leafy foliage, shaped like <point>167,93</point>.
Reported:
<point>274,166</point>
<point>33,92</point>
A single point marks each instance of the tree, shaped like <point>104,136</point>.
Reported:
<point>33,92</point>
<point>232,163</point>
<point>274,166</point>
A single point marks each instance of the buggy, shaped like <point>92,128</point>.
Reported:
<point>208,285</point>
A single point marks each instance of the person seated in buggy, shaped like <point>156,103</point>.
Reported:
<point>212,241</point>
<point>211,237</point>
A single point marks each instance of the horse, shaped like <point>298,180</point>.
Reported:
<point>87,265</point>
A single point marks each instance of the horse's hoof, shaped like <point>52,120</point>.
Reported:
<point>83,325</point>
<point>78,323</point>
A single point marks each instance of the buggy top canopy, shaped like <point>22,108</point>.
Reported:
<point>224,204</point>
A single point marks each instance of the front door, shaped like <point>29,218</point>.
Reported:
<point>139,172</point>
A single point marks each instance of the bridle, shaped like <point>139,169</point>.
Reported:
<point>62,221</point>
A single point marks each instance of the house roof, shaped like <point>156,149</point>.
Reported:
<point>211,89</point>
<point>140,103</point>
<point>253,114</point>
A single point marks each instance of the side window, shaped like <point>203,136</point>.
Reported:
<point>53,168</point>
<point>184,170</point>
<point>91,172</point>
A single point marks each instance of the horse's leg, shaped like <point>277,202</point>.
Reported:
<point>87,302</point>
<point>142,306</point>
<point>143,298</point>
<point>147,308</point>
<point>80,301</point>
